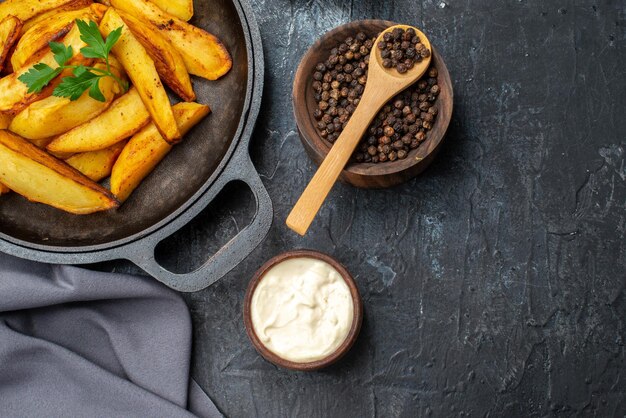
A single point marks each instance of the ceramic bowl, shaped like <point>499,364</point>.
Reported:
<point>352,333</point>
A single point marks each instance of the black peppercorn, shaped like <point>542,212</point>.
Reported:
<point>338,87</point>
<point>398,145</point>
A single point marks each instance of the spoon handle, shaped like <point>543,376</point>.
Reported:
<point>313,197</point>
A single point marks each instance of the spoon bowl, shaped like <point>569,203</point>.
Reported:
<point>388,81</point>
<point>382,85</point>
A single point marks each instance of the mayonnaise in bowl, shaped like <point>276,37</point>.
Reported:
<point>302,309</point>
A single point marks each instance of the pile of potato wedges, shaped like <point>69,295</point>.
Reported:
<point>54,150</point>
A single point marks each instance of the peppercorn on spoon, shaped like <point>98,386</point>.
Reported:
<point>382,84</point>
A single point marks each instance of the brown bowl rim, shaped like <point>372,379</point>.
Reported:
<point>352,333</point>
<point>367,169</point>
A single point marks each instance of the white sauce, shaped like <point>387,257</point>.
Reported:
<point>302,310</point>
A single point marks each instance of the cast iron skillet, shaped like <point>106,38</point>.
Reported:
<point>213,154</point>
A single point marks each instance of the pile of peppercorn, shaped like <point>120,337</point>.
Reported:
<point>400,126</point>
<point>401,49</point>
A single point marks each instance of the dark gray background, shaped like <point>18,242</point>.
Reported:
<point>493,284</point>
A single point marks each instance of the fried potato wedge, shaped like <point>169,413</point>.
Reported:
<point>26,9</point>
<point>14,94</point>
<point>142,72</point>
<point>10,29</point>
<point>43,143</point>
<point>122,119</point>
<point>50,14</point>
<point>182,9</point>
<point>97,165</point>
<point>167,60</point>
<point>56,115</point>
<point>5,121</point>
<point>42,178</point>
<point>4,189</point>
<point>52,29</point>
<point>203,53</point>
<point>147,148</point>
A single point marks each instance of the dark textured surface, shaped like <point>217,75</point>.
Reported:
<point>494,284</point>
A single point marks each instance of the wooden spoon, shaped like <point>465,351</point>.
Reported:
<point>382,84</point>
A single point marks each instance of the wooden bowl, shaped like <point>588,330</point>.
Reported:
<point>352,333</point>
<point>366,175</point>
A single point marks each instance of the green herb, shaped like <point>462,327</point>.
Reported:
<point>83,77</point>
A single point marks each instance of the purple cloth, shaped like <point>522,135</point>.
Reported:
<point>75,342</point>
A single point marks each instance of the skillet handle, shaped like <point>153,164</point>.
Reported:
<point>231,254</point>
